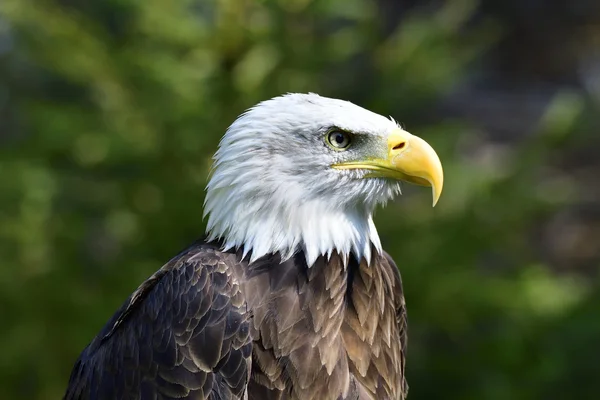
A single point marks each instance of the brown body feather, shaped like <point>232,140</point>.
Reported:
<point>208,325</point>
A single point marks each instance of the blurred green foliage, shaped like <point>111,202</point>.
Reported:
<point>115,108</point>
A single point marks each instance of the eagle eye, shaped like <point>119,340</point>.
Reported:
<point>338,140</point>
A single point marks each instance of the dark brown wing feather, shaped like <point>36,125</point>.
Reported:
<point>184,333</point>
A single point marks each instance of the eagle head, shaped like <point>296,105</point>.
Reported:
<point>302,172</point>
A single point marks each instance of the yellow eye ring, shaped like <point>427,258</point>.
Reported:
<point>338,140</point>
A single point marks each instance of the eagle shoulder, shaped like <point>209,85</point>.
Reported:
<point>183,333</point>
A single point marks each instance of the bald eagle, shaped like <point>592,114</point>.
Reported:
<point>290,295</point>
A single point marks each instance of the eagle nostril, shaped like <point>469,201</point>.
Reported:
<point>399,146</point>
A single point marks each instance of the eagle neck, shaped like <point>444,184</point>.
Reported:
<point>313,228</point>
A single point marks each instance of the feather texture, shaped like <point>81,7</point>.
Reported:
<point>209,325</point>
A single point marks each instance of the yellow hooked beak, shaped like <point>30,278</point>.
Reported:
<point>409,159</point>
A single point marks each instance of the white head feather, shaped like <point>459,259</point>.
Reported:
<point>273,188</point>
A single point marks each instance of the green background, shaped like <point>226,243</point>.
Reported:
<point>111,109</point>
